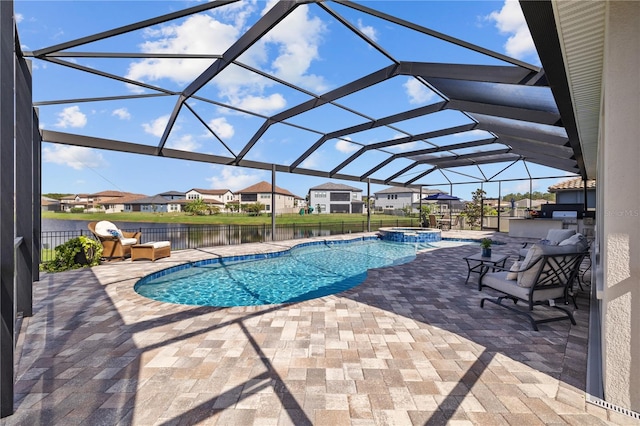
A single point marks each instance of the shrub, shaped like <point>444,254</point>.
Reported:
<point>76,210</point>
<point>76,253</point>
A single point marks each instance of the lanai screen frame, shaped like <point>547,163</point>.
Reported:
<point>21,137</point>
<point>519,128</point>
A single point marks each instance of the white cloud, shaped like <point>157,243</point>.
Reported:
<point>418,93</point>
<point>261,104</point>
<point>476,133</point>
<point>298,38</point>
<point>19,17</point>
<point>222,128</point>
<point>405,147</point>
<point>183,143</point>
<point>287,50</point>
<point>197,34</point>
<point>510,21</point>
<point>157,126</point>
<point>346,147</point>
<point>76,157</point>
<point>368,30</point>
<point>313,161</point>
<point>71,117</point>
<point>234,178</point>
<point>121,113</point>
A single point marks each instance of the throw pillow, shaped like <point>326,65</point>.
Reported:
<point>559,234</point>
<point>513,272</point>
<point>115,232</point>
<point>527,277</point>
<point>577,240</point>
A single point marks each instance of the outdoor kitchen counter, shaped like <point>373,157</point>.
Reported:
<point>532,228</point>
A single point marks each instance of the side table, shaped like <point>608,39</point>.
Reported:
<point>476,262</point>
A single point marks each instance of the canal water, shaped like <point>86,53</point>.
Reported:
<point>183,236</point>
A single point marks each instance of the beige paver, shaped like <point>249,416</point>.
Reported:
<point>410,345</point>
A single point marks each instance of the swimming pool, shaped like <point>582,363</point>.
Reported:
<point>306,271</point>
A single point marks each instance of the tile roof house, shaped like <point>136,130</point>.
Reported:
<point>217,197</point>
<point>107,201</point>
<point>285,201</point>
<point>49,204</point>
<point>336,198</point>
<point>113,201</point>
<point>572,191</point>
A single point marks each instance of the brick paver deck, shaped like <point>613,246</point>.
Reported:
<point>409,346</point>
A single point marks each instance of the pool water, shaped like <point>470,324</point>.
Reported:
<point>301,273</point>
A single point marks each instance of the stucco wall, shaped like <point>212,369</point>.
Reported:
<point>619,205</point>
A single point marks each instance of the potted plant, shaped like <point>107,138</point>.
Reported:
<point>485,244</point>
<point>76,253</point>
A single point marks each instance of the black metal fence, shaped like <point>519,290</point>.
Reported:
<point>198,236</point>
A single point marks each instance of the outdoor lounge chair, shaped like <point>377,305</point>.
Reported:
<point>115,243</point>
<point>433,222</point>
<point>546,274</point>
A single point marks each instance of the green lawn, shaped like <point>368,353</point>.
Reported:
<point>224,219</point>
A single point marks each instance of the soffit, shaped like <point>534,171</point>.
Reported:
<point>581,30</point>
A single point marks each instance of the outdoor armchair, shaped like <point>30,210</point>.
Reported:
<point>546,274</point>
<point>115,242</point>
<point>554,237</point>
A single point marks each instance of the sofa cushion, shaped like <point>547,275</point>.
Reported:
<point>156,244</point>
<point>578,241</point>
<point>104,228</point>
<point>513,272</point>
<point>558,235</point>
<point>527,278</point>
<point>128,241</point>
<point>499,281</point>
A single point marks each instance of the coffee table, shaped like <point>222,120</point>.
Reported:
<point>476,262</point>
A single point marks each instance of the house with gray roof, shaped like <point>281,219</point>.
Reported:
<point>153,204</point>
<point>336,198</point>
<point>173,195</point>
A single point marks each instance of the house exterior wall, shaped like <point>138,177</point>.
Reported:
<point>397,200</point>
<point>576,197</point>
<point>618,206</point>
<point>284,203</point>
<point>222,198</point>
<point>335,201</point>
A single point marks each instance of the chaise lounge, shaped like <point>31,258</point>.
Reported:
<point>115,242</point>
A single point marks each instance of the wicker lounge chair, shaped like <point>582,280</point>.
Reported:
<point>115,243</point>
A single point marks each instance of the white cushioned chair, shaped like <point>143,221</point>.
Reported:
<point>546,274</point>
<point>557,237</point>
<point>115,242</point>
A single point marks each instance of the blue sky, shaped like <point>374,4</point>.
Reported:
<point>301,50</point>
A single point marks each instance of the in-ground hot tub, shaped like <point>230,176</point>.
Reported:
<point>410,235</point>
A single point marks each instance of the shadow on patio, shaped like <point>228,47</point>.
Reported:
<point>408,346</point>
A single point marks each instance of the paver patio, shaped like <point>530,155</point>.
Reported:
<point>409,346</point>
